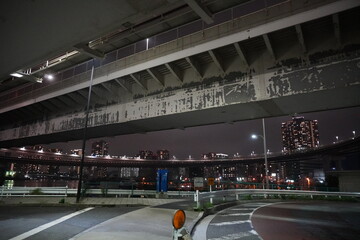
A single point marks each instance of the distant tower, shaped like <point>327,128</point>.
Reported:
<point>100,148</point>
<point>299,134</point>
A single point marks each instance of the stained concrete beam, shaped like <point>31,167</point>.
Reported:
<point>140,82</point>
<point>217,60</point>
<point>195,65</point>
<point>241,53</point>
<point>122,84</point>
<point>336,24</point>
<point>156,76</point>
<point>269,46</point>
<point>300,37</point>
<point>175,71</point>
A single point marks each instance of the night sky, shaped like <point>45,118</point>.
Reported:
<point>226,138</point>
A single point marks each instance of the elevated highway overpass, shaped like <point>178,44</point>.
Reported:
<point>248,61</point>
<point>321,157</point>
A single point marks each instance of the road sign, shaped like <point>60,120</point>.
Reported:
<point>198,182</point>
<point>211,181</point>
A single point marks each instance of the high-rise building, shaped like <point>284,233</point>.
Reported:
<point>163,154</point>
<point>146,154</point>
<point>299,134</point>
<point>100,148</point>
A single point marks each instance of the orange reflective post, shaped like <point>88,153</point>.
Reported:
<point>179,219</point>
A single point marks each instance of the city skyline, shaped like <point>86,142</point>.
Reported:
<point>225,138</point>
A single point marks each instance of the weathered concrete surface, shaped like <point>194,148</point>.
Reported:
<point>333,82</point>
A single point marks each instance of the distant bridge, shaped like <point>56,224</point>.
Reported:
<point>18,155</point>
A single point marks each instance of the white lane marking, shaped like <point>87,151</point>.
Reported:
<point>233,236</point>
<point>234,214</point>
<point>251,214</point>
<point>200,230</point>
<point>48,225</point>
<point>229,223</point>
<point>242,209</point>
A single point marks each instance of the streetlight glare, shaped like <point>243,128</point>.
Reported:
<point>253,136</point>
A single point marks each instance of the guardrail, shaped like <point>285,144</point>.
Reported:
<point>34,191</point>
<point>201,198</point>
<point>65,191</point>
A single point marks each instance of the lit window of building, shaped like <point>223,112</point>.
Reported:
<point>299,134</point>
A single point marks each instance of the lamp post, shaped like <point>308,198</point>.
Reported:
<point>84,137</point>
<point>255,136</point>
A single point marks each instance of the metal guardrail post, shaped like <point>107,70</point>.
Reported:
<point>2,191</point>
<point>196,198</point>
<point>66,188</point>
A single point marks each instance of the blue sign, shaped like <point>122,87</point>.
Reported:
<point>161,180</point>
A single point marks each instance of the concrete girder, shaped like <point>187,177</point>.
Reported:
<point>69,101</point>
<point>217,60</point>
<point>44,106</point>
<point>77,97</point>
<point>84,48</point>
<point>99,92</point>
<point>25,113</point>
<point>40,108</point>
<point>156,76</point>
<point>241,54</point>
<point>269,46</point>
<point>122,84</point>
<point>49,106</point>
<point>61,99</point>
<point>336,24</point>
<point>56,102</point>
<point>195,65</point>
<point>16,114</point>
<point>93,99</point>
<point>300,37</point>
<point>107,86</point>
<point>35,109</point>
<point>175,71</point>
<point>141,82</point>
<point>200,10</point>
<point>259,30</point>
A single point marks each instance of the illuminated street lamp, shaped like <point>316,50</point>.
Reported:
<point>255,136</point>
<point>354,134</point>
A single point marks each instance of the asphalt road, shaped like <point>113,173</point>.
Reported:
<point>17,220</point>
<point>283,221</point>
<point>308,221</point>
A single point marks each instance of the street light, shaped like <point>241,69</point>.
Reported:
<point>255,136</point>
<point>354,134</point>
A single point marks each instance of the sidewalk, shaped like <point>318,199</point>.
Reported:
<point>153,221</point>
